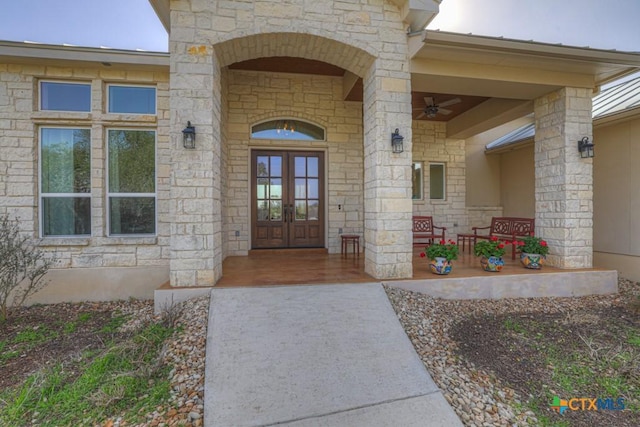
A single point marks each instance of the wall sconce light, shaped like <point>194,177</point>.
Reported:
<point>189,137</point>
<point>397,142</point>
<point>585,148</point>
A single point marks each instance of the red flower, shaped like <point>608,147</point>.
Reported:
<point>520,243</point>
<point>442,242</point>
<point>500,245</point>
<point>451,242</point>
<point>422,255</point>
<point>494,239</point>
<point>543,243</point>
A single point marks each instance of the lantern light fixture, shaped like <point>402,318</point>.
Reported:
<point>189,137</point>
<point>585,148</point>
<point>397,142</point>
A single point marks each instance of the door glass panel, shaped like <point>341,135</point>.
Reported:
<point>276,188</point>
<point>314,209</point>
<point>263,166</point>
<point>301,192</point>
<point>263,210</point>
<point>301,166</point>
<point>301,210</point>
<point>276,166</point>
<point>313,189</point>
<point>276,210</point>
<point>312,167</point>
<point>263,192</point>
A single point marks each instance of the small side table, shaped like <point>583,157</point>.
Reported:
<point>468,239</point>
<point>355,241</point>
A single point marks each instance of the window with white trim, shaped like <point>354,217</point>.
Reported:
<point>416,180</point>
<point>65,182</point>
<point>131,99</point>
<point>131,186</point>
<point>437,181</point>
<point>65,96</point>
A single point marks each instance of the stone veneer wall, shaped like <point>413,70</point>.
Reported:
<point>564,181</point>
<point>20,120</point>
<point>365,37</point>
<point>258,96</point>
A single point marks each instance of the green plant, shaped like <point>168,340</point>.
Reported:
<point>442,249</point>
<point>532,245</point>
<point>490,247</point>
<point>22,266</point>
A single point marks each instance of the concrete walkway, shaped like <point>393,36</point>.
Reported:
<point>324,355</point>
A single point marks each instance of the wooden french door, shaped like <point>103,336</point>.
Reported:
<point>287,193</point>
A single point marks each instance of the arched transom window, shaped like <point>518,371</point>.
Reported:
<point>287,129</point>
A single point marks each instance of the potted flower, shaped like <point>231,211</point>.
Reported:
<point>440,256</point>
<point>533,251</point>
<point>490,252</point>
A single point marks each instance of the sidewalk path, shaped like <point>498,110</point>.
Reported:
<point>327,355</point>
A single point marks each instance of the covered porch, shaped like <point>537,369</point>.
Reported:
<point>466,281</point>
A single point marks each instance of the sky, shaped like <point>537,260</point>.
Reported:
<point>132,24</point>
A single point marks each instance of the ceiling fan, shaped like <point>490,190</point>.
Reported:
<point>432,109</point>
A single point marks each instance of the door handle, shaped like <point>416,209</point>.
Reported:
<point>291,213</point>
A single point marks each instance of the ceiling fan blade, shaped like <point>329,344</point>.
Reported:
<point>429,101</point>
<point>421,115</point>
<point>450,102</point>
<point>444,111</point>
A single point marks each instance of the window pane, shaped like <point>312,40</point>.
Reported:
<point>301,210</point>
<point>132,161</point>
<point>276,210</point>
<point>263,166</point>
<point>65,160</point>
<point>132,215</point>
<point>275,191</point>
<point>263,188</point>
<point>263,210</point>
<point>276,166</point>
<point>436,181</point>
<point>313,189</point>
<point>416,181</point>
<point>301,188</point>
<point>314,209</point>
<point>312,167</point>
<point>287,129</point>
<point>65,96</point>
<point>66,216</point>
<point>131,99</point>
<point>301,167</point>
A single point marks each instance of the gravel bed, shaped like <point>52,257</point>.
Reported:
<point>478,398</point>
<point>185,352</point>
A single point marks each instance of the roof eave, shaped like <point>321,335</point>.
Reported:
<point>163,11</point>
<point>28,51</point>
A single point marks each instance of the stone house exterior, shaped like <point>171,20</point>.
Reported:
<point>146,209</point>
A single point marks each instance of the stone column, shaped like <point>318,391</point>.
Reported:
<point>196,217</point>
<point>564,180</point>
<point>387,177</point>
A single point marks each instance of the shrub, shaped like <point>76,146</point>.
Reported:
<point>22,266</point>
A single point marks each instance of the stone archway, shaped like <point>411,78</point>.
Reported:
<point>197,91</point>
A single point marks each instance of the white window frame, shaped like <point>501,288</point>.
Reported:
<point>421,182</point>
<point>82,83</point>
<point>108,95</point>
<point>42,195</point>
<point>444,180</point>
<point>109,194</point>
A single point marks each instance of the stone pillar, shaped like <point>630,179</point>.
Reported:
<point>387,177</point>
<point>564,180</point>
<point>196,217</point>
